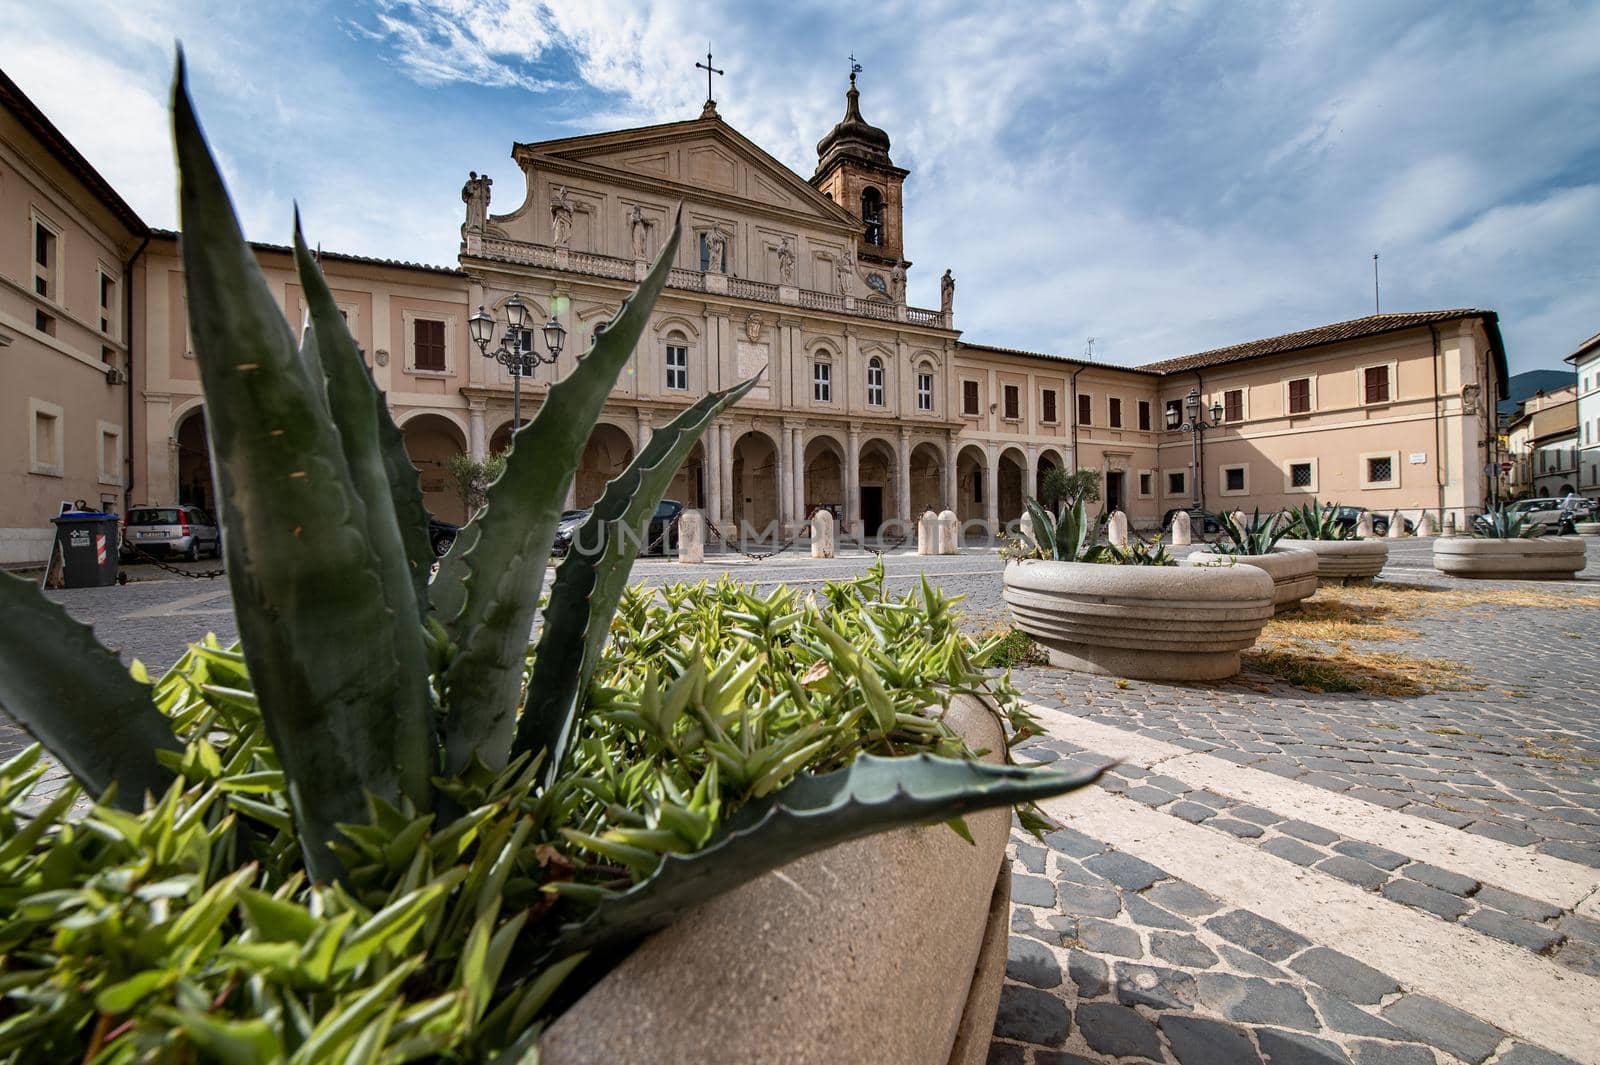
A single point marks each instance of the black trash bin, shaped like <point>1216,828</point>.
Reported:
<point>88,543</point>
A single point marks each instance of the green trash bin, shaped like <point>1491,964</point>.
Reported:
<point>87,540</point>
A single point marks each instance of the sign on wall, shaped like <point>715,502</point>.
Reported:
<point>1418,458</point>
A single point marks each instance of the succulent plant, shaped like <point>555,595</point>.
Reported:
<point>1069,535</point>
<point>1309,521</point>
<point>1258,536</point>
<point>1506,523</point>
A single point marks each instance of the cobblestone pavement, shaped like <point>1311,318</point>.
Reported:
<point>1270,875</point>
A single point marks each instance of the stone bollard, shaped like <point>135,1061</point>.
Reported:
<point>1427,526</point>
<point>1450,524</point>
<point>949,531</point>
<point>1117,532</point>
<point>1397,526</point>
<point>928,533</point>
<point>1025,531</point>
<point>691,536</point>
<point>822,534</point>
<point>1181,535</point>
<point>1364,530</point>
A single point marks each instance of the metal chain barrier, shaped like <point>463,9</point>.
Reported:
<point>754,556</point>
<point>145,556</point>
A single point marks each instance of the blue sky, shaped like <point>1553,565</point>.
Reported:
<point>1165,178</point>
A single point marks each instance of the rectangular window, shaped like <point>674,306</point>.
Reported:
<point>1114,411</point>
<point>1144,415</point>
<point>46,441</point>
<point>1145,482</point>
<point>1013,403</point>
<point>1380,470</point>
<point>1300,395</point>
<point>46,260</point>
<point>1233,405</point>
<point>428,338</point>
<point>677,367</point>
<point>1299,475</point>
<point>822,382</point>
<point>1047,406</point>
<point>1177,484</point>
<point>969,398</point>
<point>874,383</point>
<point>1085,409</point>
<point>108,303</point>
<point>925,391</point>
<point>1376,379</point>
<point>1233,479</point>
<point>110,456</point>
<point>1174,412</point>
<point>44,323</point>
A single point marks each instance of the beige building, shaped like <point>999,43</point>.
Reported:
<point>1586,362</point>
<point>1543,444</point>
<point>866,405</point>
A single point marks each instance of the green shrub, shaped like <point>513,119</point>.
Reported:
<point>1505,523</point>
<point>384,828</point>
<point>1311,522</point>
<point>1258,536</point>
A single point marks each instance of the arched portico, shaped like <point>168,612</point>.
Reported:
<point>972,484</point>
<point>876,477</point>
<point>195,484</point>
<point>689,483</point>
<point>927,476</point>
<point>1049,459</point>
<point>431,440</point>
<point>824,474</point>
<point>754,479</point>
<point>607,454</point>
<point>1010,477</point>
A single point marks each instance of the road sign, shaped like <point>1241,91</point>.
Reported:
<point>1505,467</point>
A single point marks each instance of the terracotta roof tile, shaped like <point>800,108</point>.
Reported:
<point>1051,357</point>
<point>1372,325</point>
<point>333,256</point>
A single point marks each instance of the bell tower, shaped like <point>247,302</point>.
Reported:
<point>854,170</point>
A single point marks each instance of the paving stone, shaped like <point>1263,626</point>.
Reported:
<point>1148,916</point>
<point>1118,1031</point>
<point>1519,905</point>
<point>1192,812</point>
<point>1517,837</point>
<point>1256,814</point>
<point>1527,1054</point>
<point>1297,1048</point>
<point>1440,816</point>
<point>1006,1054</point>
<point>1343,975</point>
<point>1057,1057</point>
<point>1293,850</point>
<point>1355,871</point>
<point>1031,857</point>
<point>1308,832</point>
<point>1069,871</point>
<point>1341,1016</point>
<point>1088,900</point>
<point>1411,893</point>
<point>1257,1001</point>
<point>1444,1026</point>
<point>1183,950</point>
<point>1183,898</point>
<point>1149,796</point>
<point>1124,870</point>
<point>1372,855</point>
<point>1368,1053</point>
<point>1257,934</point>
<point>1248,963</point>
<point>1572,852</point>
<point>1534,937</point>
<point>1091,974</point>
<point>1068,841</point>
<point>1156,987</point>
<point>1198,1041</point>
<point>1386,799</point>
<point>1242,829</point>
<point>1032,1016</point>
<point>1443,879</point>
<point>1103,937</point>
<point>1166,783</point>
<point>1031,962</point>
<point>1033,891</point>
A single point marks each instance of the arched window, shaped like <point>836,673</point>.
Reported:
<point>677,361</point>
<point>875,382</point>
<point>925,387</point>
<point>872,215</point>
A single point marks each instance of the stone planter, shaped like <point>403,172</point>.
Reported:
<point>1345,561</point>
<point>888,949</point>
<point>1143,622</point>
<point>1547,558</point>
<point>1588,528</point>
<point>1293,570</point>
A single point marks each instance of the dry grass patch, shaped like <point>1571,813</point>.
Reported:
<point>1398,600</point>
<point>1340,668</point>
<point>1335,621</point>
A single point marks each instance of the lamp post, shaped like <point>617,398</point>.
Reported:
<point>1194,427</point>
<point>517,351</point>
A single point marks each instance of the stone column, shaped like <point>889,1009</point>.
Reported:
<point>991,493</point>
<point>902,490</point>
<point>725,446</point>
<point>951,484</point>
<point>645,427</point>
<point>797,447</point>
<point>785,489</point>
<point>477,442</point>
<point>852,482</point>
<point>713,471</point>
<point>691,536</point>
<point>1030,479</point>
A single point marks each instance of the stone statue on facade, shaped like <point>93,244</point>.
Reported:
<point>639,230</point>
<point>897,283</point>
<point>947,293</point>
<point>845,273</point>
<point>475,194</point>
<point>560,217</point>
<point>785,263</point>
<point>716,249</point>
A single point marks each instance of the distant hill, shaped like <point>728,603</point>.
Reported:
<point>1520,386</point>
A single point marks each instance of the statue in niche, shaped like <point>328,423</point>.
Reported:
<point>639,230</point>
<point>897,283</point>
<point>844,273</point>
<point>717,249</point>
<point>947,293</point>
<point>475,194</point>
<point>786,263</point>
<point>560,217</point>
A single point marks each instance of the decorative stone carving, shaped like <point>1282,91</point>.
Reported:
<point>949,532</point>
<point>786,262</point>
<point>639,232</point>
<point>897,284</point>
<point>928,533</point>
<point>716,249</point>
<point>752,328</point>
<point>947,293</point>
<point>475,194</point>
<point>560,217</point>
<point>691,536</point>
<point>822,534</point>
<point>1181,536</point>
<point>381,357</point>
<point>845,273</point>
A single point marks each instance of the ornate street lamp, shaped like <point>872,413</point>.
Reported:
<point>517,351</point>
<point>1195,427</point>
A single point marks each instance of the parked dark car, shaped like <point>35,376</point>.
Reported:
<point>171,530</point>
<point>1201,522</point>
<point>441,534</point>
<point>1348,517</point>
<point>661,536</point>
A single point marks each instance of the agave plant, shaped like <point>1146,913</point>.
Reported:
<point>1505,523</point>
<point>1070,535</point>
<point>1258,536</point>
<point>394,717</point>
<point>1139,552</point>
<point>1312,522</point>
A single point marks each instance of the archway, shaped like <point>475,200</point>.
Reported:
<point>972,489</point>
<point>755,484</point>
<point>431,440</point>
<point>689,483</point>
<point>927,479</point>
<point>195,484</point>
<point>1048,460</point>
<point>500,439</point>
<point>824,483</point>
<point>607,454</point>
<point>1011,472</point>
<point>876,478</point>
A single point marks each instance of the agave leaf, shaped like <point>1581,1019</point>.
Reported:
<point>1044,527</point>
<point>358,411</point>
<point>590,579</point>
<point>517,525</point>
<point>812,812</point>
<point>307,591</point>
<point>75,697</point>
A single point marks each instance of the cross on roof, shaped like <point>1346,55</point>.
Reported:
<point>710,70</point>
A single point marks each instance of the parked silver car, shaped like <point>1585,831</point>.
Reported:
<point>172,530</point>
